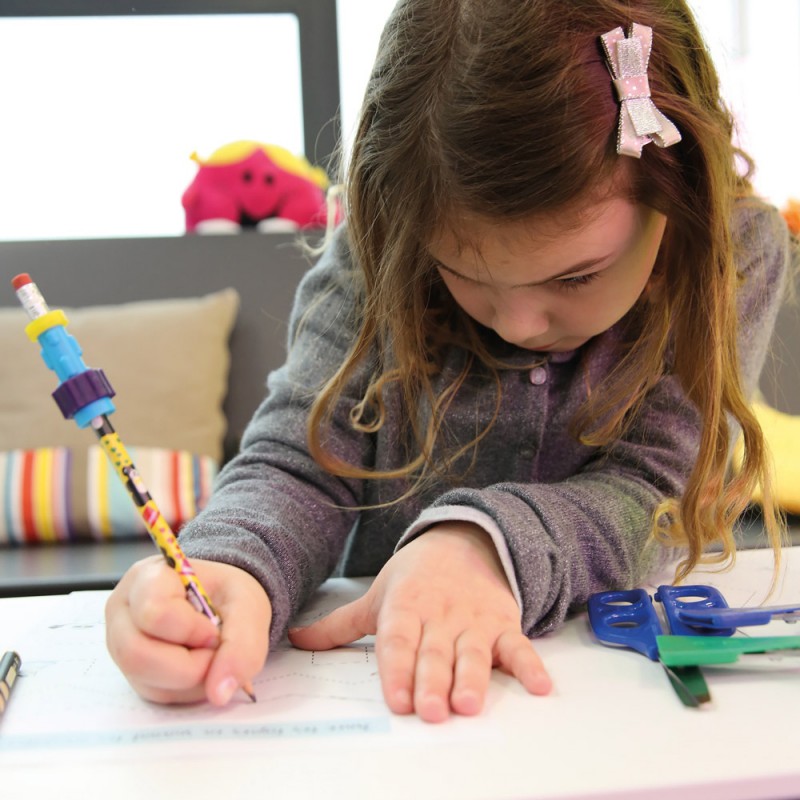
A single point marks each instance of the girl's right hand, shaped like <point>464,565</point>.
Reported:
<point>171,653</point>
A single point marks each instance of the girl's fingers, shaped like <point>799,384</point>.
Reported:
<point>515,654</point>
<point>153,596</point>
<point>157,646</point>
<point>244,639</point>
<point>162,667</point>
<point>155,695</point>
<point>172,653</point>
<point>166,614</point>
<point>428,666</point>
<point>434,673</point>
<point>396,647</point>
<point>473,670</point>
<point>343,625</point>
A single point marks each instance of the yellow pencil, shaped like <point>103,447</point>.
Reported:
<point>84,395</point>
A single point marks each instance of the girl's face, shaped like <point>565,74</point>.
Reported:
<point>544,285</point>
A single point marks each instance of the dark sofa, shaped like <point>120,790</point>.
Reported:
<point>265,270</point>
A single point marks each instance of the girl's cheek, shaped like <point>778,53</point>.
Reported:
<point>475,304</point>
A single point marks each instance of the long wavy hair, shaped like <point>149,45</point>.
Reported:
<point>506,110</point>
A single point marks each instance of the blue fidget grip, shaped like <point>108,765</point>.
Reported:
<point>626,617</point>
<point>699,597</point>
<point>62,354</point>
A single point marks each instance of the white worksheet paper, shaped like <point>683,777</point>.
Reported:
<point>71,697</point>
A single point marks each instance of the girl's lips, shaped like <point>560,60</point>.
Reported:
<point>563,345</point>
<point>542,348</point>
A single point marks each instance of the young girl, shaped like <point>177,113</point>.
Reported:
<point>516,374</point>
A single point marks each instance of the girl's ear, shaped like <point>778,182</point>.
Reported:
<point>654,287</point>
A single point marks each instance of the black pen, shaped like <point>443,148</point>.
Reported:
<point>9,669</point>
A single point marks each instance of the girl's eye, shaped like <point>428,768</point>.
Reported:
<point>459,277</point>
<point>577,281</point>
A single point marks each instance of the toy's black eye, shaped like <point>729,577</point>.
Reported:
<point>269,180</point>
<point>247,176</point>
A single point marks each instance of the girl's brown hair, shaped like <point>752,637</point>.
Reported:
<point>506,110</point>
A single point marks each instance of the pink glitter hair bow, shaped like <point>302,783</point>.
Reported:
<point>640,121</point>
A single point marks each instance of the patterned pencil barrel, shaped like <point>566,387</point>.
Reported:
<point>9,669</point>
<point>154,521</point>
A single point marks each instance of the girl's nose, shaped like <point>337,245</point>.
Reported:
<point>520,323</point>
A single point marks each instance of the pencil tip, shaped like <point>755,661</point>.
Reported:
<point>248,690</point>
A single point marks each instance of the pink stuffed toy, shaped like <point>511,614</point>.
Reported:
<point>245,184</point>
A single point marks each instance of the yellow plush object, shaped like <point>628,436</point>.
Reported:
<point>791,213</point>
<point>238,151</point>
<point>782,432</point>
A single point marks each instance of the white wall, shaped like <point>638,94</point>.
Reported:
<point>360,25</point>
<point>755,45</point>
<point>101,115</point>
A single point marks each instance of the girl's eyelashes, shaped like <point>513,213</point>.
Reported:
<point>460,277</point>
<point>577,281</point>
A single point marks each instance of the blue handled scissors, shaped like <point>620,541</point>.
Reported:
<point>680,601</point>
<point>702,609</point>
<point>628,618</point>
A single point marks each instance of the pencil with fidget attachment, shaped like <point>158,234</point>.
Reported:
<point>84,395</point>
<point>9,669</point>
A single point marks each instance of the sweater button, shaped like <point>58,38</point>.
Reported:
<point>538,376</point>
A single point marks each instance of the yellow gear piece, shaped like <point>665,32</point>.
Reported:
<point>41,324</point>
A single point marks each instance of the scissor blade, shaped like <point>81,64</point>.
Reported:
<point>689,685</point>
<point>714,618</point>
<point>770,655</point>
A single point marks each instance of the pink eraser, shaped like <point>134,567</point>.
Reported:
<point>18,281</point>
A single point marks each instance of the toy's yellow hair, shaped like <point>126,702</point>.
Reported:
<point>238,151</point>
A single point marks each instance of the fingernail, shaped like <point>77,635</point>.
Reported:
<point>212,643</point>
<point>432,708</point>
<point>542,684</point>
<point>469,702</point>
<point>226,689</point>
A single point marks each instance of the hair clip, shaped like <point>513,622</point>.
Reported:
<point>640,121</point>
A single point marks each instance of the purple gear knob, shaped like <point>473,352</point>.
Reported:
<point>78,391</point>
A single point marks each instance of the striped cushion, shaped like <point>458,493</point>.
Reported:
<point>58,494</point>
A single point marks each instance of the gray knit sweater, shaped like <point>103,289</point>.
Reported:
<point>568,519</point>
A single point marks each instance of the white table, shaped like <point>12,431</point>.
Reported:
<point>612,728</point>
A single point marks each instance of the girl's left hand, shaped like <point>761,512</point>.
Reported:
<point>443,615</point>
